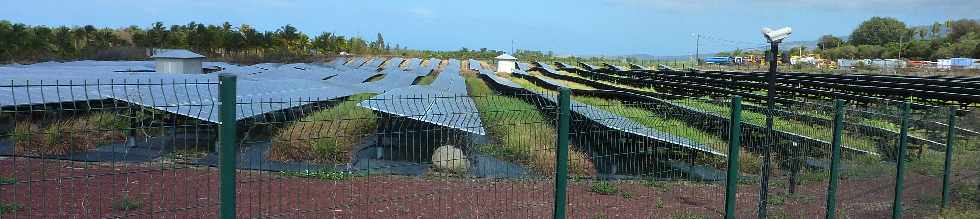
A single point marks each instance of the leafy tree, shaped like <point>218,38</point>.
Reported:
<point>879,31</point>
<point>960,28</point>
<point>829,42</point>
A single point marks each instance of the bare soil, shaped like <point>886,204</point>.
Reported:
<point>63,189</point>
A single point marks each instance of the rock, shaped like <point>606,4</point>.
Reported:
<point>450,159</point>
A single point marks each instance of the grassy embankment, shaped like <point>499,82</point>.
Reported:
<point>749,162</point>
<point>69,135</point>
<point>326,136</point>
<point>522,134</point>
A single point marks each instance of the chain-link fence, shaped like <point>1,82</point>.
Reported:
<point>501,149</point>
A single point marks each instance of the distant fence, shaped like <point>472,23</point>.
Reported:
<point>71,149</point>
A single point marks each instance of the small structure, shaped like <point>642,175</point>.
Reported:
<point>506,63</point>
<point>179,61</point>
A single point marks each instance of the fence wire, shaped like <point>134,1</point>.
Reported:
<point>111,150</point>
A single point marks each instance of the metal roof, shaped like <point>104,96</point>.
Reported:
<point>505,57</point>
<point>177,54</point>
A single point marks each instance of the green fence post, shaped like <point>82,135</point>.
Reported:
<point>734,144</point>
<point>228,142</point>
<point>561,161</point>
<point>900,170</point>
<point>947,165</point>
<point>835,159</point>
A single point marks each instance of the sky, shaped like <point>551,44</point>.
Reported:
<point>570,27</point>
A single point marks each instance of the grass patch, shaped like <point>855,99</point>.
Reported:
<point>7,208</point>
<point>569,84</point>
<point>5,180</point>
<point>127,204</point>
<point>658,185</point>
<point>688,216</point>
<point>791,126</point>
<point>326,136</point>
<point>328,175</point>
<point>749,163</point>
<point>69,135</point>
<point>604,188</point>
<point>522,134</point>
<point>427,79</point>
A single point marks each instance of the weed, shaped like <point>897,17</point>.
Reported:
<point>658,185</point>
<point>6,208</point>
<point>604,188</point>
<point>522,133</point>
<point>324,175</point>
<point>777,199</point>
<point>660,203</point>
<point>626,195</point>
<point>329,134</point>
<point>5,180</point>
<point>688,216</point>
<point>127,203</point>
<point>69,135</point>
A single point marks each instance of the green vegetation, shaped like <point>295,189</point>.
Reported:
<point>427,79</point>
<point>810,130</point>
<point>749,164</point>
<point>328,175</point>
<point>5,180</point>
<point>522,134</point>
<point>7,208</point>
<point>326,136</point>
<point>688,216</point>
<point>882,37</point>
<point>127,204</point>
<point>604,188</point>
<point>69,135</point>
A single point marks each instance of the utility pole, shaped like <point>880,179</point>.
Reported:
<point>697,50</point>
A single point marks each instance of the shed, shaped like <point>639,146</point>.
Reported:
<point>506,63</point>
<point>179,61</point>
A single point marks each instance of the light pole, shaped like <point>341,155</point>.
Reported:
<point>774,37</point>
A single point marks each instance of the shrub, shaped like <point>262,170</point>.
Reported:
<point>6,208</point>
<point>326,136</point>
<point>604,188</point>
<point>70,135</point>
<point>127,204</point>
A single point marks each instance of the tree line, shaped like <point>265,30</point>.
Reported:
<point>242,43</point>
<point>883,37</point>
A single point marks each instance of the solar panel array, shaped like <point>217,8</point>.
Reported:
<point>262,88</point>
<point>444,102</point>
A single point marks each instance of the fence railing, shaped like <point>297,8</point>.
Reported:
<point>153,149</point>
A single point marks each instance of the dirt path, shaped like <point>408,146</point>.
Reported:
<point>72,189</point>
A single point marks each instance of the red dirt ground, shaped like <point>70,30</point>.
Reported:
<point>65,189</point>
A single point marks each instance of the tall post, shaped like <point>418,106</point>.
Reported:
<point>947,165</point>
<point>770,139</point>
<point>561,161</point>
<point>228,140</point>
<point>900,170</point>
<point>734,146</point>
<point>835,156</point>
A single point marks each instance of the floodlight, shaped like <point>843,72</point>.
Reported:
<point>776,36</point>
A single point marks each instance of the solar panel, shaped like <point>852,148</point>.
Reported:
<point>444,102</point>
<point>616,122</point>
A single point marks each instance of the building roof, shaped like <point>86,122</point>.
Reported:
<point>505,57</point>
<point>177,54</point>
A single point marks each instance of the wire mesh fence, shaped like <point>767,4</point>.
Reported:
<point>154,149</point>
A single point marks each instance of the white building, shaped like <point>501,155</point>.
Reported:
<point>178,61</point>
<point>506,63</point>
